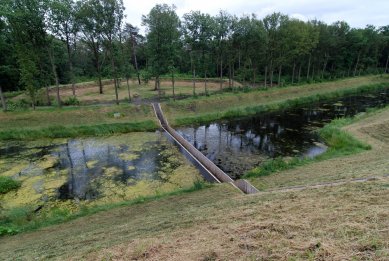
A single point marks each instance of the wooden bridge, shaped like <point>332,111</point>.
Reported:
<point>210,170</point>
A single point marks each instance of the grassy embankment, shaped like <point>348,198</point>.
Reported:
<point>342,222</point>
<point>21,220</point>
<point>75,122</point>
<point>100,120</point>
<point>237,104</point>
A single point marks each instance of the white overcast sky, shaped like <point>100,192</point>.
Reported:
<point>358,13</point>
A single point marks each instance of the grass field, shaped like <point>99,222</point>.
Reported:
<point>88,93</point>
<point>347,221</point>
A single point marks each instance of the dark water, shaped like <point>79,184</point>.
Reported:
<point>240,144</point>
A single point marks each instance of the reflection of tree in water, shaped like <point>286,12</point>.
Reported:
<point>84,178</point>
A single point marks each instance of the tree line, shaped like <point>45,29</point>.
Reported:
<point>53,42</point>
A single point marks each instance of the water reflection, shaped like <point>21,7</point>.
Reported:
<point>94,168</point>
<point>87,160</point>
<point>238,145</point>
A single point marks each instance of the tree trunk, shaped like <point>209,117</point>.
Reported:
<point>32,99</point>
<point>279,75</point>
<point>386,66</point>
<point>98,68</point>
<point>265,77</point>
<point>299,77</point>
<point>48,95</point>
<point>116,91</point>
<point>356,64</point>
<point>72,76</point>
<point>239,58</point>
<point>129,93</point>
<point>116,83</point>
<point>254,76</point>
<point>2,98</point>
<point>233,76</point>
<point>324,68</point>
<point>205,83</point>
<point>194,81</point>
<point>135,60</point>
<point>70,65</point>
<point>313,72</point>
<point>100,82</point>
<point>221,74</point>
<point>55,78</point>
<point>309,66</point>
<point>157,86</point>
<point>173,84</point>
<point>271,73</point>
<point>229,76</point>
<point>294,68</point>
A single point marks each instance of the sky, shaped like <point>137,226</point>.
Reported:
<point>357,13</point>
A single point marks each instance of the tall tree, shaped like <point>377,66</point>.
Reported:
<point>198,31</point>
<point>110,22</point>
<point>223,32</point>
<point>27,21</point>
<point>273,24</point>
<point>132,36</point>
<point>9,72</point>
<point>249,44</point>
<point>162,39</point>
<point>63,23</point>
<point>88,19</point>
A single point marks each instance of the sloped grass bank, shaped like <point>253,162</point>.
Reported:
<point>21,219</point>
<point>77,131</point>
<point>267,106</point>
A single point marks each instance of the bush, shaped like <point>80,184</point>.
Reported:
<point>145,76</point>
<point>8,230</point>
<point>7,184</point>
<point>71,101</point>
<point>18,105</point>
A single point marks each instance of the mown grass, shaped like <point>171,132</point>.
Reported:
<point>24,219</point>
<point>76,121</point>
<point>340,143</point>
<point>287,103</point>
<point>60,131</point>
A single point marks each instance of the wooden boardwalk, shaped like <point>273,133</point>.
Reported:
<point>213,171</point>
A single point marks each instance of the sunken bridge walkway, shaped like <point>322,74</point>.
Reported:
<point>209,170</point>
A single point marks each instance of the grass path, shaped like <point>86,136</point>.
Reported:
<point>345,222</point>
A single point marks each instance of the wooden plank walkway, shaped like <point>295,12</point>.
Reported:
<point>213,170</point>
